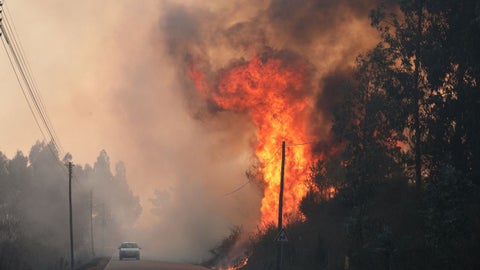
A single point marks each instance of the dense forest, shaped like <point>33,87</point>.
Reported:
<point>34,220</point>
<point>407,174</point>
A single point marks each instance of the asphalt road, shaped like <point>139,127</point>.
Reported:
<point>116,264</point>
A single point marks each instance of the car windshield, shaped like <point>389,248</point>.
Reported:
<point>129,245</point>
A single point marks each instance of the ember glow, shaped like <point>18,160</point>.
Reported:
<point>240,265</point>
<point>274,92</point>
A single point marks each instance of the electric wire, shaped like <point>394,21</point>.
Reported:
<point>33,93</point>
<point>23,71</point>
<point>237,189</point>
<point>28,72</point>
<point>29,87</point>
<point>28,102</point>
<point>23,91</point>
<point>266,163</point>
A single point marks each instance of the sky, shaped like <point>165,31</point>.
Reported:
<point>73,51</point>
<point>112,76</point>
<point>107,83</point>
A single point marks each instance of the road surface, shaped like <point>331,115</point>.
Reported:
<point>116,264</point>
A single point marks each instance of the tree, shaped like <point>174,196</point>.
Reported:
<point>34,212</point>
<point>428,51</point>
<point>116,207</point>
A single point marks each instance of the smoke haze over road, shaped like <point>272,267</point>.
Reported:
<point>114,76</point>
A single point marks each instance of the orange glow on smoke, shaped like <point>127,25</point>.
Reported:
<point>274,93</point>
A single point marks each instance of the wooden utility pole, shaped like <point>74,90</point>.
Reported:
<point>280,209</point>
<point>103,228</point>
<point>91,223</point>
<point>70,165</point>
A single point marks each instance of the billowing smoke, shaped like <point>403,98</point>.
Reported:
<point>192,152</point>
<point>128,90</point>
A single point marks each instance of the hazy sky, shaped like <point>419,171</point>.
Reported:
<point>107,83</point>
<point>79,53</point>
<point>110,73</point>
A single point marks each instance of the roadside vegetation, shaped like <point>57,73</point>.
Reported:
<point>34,228</point>
<point>406,178</point>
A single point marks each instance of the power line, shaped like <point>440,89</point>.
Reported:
<point>237,189</point>
<point>266,163</point>
<point>21,86</point>
<point>33,93</point>
<point>29,87</point>
<point>28,72</point>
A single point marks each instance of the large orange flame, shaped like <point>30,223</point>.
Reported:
<point>274,93</point>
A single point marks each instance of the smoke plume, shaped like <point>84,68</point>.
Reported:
<point>201,151</point>
<point>126,85</point>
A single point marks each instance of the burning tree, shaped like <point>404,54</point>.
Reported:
<point>274,89</point>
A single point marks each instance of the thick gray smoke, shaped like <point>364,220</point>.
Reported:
<point>186,155</point>
<point>126,86</point>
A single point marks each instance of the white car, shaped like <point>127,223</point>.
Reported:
<point>129,250</point>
